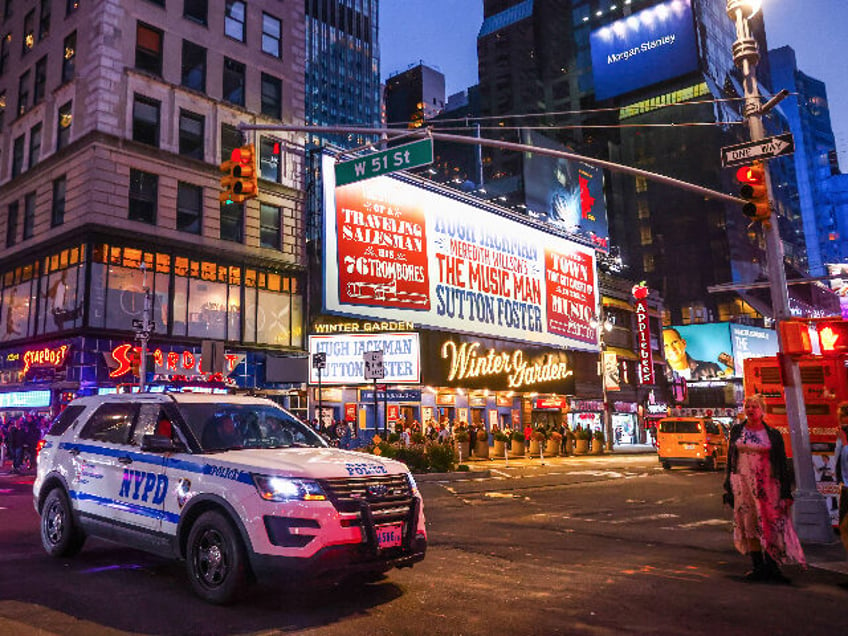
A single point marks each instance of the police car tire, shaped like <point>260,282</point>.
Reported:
<point>60,535</point>
<point>215,559</point>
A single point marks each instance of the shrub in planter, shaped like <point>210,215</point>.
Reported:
<point>461,435</point>
<point>500,436</point>
<point>482,436</point>
<point>441,458</point>
<point>581,442</point>
<point>418,438</point>
<point>413,456</point>
<point>394,438</point>
<point>597,443</point>
<point>518,436</point>
<point>518,443</point>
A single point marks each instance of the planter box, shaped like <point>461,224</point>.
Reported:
<point>464,449</point>
<point>498,449</point>
<point>597,447</point>
<point>552,447</point>
<point>481,450</point>
<point>534,447</point>
<point>517,449</point>
<point>581,447</point>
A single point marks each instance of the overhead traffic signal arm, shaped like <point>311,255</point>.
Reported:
<point>755,191</point>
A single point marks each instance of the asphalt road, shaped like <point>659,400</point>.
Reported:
<point>612,545</point>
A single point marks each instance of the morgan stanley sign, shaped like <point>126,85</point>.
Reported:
<point>643,49</point>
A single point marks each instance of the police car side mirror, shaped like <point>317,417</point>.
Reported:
<point>160,444</point>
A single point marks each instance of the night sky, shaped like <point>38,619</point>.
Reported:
<point>443,35</point>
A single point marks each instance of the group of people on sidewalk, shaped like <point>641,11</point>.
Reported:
<point>758,486</point>
<point>19,437</point>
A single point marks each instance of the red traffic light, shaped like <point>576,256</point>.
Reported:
<point>751,174</point>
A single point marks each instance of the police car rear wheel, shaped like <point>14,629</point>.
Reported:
<point>60,535</point>
<point>216,560</point>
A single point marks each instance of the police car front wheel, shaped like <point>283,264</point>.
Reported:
<point>216,559</point>
<point>60,534</point>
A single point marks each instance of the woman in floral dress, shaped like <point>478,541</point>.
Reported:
<point>759,487</point>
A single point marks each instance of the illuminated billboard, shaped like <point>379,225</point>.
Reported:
<point>714,351</point>
<point>395,251</point>
<point>569,193</point>
<point>346,365</point>
<point>648,47</point>
<point>839,285</point>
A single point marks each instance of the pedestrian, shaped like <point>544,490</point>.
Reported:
<point>840,458</point>
<point>2,443</point>
<point>15,442</point>
<point>758,485</point>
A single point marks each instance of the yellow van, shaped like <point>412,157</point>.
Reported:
<point>691,441</point>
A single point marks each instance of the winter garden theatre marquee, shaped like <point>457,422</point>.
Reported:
<point>394,251</point>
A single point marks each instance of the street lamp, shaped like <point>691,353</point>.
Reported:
<point>812,521</point>
<point>603,324</point>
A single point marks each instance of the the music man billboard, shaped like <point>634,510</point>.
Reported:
<point>396,251</point>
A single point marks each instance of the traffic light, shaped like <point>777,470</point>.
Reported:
<point>239,181</point>
<point>833,336</point>
<point>753,180</point>
<point>795,337</point>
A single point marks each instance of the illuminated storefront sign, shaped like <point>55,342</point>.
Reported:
<point>551,403</point>
<point>345,364</point>
<point>362,326</point>
<point>46,357</point>
<point>395,251</point>
<point>390,395</point>
<point>181,363</point>
<point>643,335</point>
<point>24,399</point>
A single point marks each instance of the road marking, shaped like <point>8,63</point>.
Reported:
<point>501,495</point>
<point>706,522</point>
<point>664,515</point>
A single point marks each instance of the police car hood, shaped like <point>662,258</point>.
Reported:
<point>314,463</point>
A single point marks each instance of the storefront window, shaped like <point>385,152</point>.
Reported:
<point>273,320</point>
<point>62,299</point>
<point>207,310</point>
<point>16,317</point>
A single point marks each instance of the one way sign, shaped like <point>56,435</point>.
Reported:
<point>769,148</point>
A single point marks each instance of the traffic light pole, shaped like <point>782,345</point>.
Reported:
<point>812,521</point>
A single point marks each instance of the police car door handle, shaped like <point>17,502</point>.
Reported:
<point>125,459</point>
<point>74,451</point>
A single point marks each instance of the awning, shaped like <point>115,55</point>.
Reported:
<point>627,354</point>
<point>615,302</point>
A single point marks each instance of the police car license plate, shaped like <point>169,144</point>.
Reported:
<point>390,536</point>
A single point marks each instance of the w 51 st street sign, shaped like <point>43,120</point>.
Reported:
<point>768,148</point>
<point>412,155</point>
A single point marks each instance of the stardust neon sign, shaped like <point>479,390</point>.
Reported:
<point>466,363</point>
<point>167,363</point>
<point>48,356</point>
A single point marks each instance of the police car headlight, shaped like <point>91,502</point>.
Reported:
<point>412,483</point>
<point>273,488</point>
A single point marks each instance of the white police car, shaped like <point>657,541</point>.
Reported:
<point>235,486</point>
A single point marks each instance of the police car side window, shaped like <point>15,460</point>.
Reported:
<point>65,419</point>
<point>110,423</point>
<point>148,416</point>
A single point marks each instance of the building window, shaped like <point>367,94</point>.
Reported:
<point>272,30</point>
<point>234,19</point>
<point>194,66</point>
<point>641,184</point>
<point>645,236</point>
<point>642,209</point>
<point>146,120</point>
<point>196,10</point>
<point>44,20</point>
<point>144,189</point>
<point>34,145</point>
<point>269,159</point>
<point>648,263</point>
<point>272,96</point>
<point>69,58</point>
<point>29,215</point>
<point>28,40</point>
<point>4,52</point>
<point>57,212</point>
<point>18,156</point>
<point>269,226</point>
<point>230,140</point>
<point>191,134</point>
<point>189,207</point>
<point>148,49</point>
<point>63,126</point>
<point>40,80</point>
<point>71,6</point>
<point>8,7</point>
<point>23,93</point>
<point>233,82</point>
<point>232,222</point>
<point>12,224</point>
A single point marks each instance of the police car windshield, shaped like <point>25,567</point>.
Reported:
<point>227,426</point>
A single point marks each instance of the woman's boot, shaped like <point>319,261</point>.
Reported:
<point>773,572</point>
<point>759,572</point>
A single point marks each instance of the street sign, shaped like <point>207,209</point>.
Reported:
<point>374,369</point>
<point>319,360</point>
<point>769,148</point>
<point>412,155</point>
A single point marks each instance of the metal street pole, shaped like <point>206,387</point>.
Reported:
<point>812,521</point>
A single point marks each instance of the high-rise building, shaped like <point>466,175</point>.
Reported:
<point>342,74</point>
<point>578,70</point>
<point>414,96</point>
<point>114,117</point>
<point>808,112</point>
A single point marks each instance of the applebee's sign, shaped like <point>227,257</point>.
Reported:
<point>643,332</point>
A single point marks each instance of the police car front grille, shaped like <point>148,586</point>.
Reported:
<point>389,497</point>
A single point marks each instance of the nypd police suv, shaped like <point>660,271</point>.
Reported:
<point>235,486</point>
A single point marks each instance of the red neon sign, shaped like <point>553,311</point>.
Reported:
<point>46,357</point>
<point>184,363</point>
